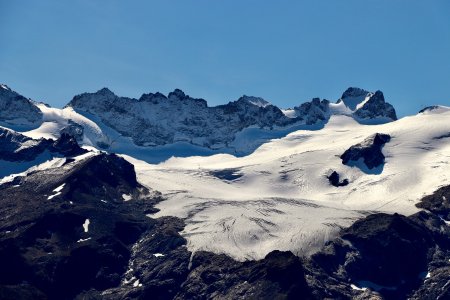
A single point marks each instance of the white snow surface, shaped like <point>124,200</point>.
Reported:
<point>86,225</point>
<point>126,197</point>
<point>59,188</point>
<point>55,119</point>
<point>278,198</point>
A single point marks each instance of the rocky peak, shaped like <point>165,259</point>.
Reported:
<point>177,94</point>
<point>354,97</point>
<point>152,97</point>
<point>257,101</point>
<point>17,147</point>
<point>314,111</point>
<point>376,107</point>
<point>67,145</point>
<point>354,92</point>
<point>105,92</point>
<point>16,108</point>
<point>4,87</point>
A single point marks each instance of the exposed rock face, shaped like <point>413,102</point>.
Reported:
<point>376,107</point>
<point>155,119</point>
<point>312,112</point>
<point>16,109</point>
<point>438,202</point>
<point>335,180</point>
<point>429,108</point>
<point>360,104</point>
<point>68,229</point>
<point>353,96</point>
<point>369,151</point>
<point>16,147</point>
<point>280,275</point>
<point>388,254</point>
<point>74,129</point>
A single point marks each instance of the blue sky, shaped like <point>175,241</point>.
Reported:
<point>284,51</point>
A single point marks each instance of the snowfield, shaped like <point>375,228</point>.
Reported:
<point>279,196</point>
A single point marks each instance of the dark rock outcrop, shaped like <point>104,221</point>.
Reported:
<point>438,202</point>
<point>388,255</point>
<point>280,275</point>
<point>376,107</point>
<point>369,152</point>
<point>335,180</point>
<point>69,229</point>
<point>313,112</point>
<point>73,129</point>
<point>16,147</point>
<point>354,96</point>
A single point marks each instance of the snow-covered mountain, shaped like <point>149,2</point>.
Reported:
<point>280,196</point>
<point>16,110</point>
<point>155,119</point>
<point>177,123</point>
<point>342,185</point>
<point>80,228</point>
<point>363,106</point>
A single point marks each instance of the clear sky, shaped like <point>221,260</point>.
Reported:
<point>284,51</point>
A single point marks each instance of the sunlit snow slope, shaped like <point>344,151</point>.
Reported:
<point>279,196</point>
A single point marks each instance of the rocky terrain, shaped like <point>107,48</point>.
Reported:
<point>15,109</point>
<point>16,147</point>
<point>368,152</point>
<point>156,119</point>
<point>81,231</point>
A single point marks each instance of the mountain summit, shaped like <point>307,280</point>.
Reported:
<point>15,109</point>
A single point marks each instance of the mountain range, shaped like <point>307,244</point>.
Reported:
<point>165,197</point>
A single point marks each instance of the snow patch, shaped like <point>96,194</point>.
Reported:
<point>86,225</point>
<point>374,286</point>
<point>126,197</point>
<point>59,188</point>
<point>83,240</point>
<point>137,284</point>
<point>354,287</point>
<point>158,255</point>
<point>57,191</point>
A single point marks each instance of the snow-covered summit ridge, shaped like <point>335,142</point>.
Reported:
<point>15,109</point>
<point>365,107</point>
<point>5,87</point>
<point>121,124</point>
<point>156,119</point>
<point>353,97</point>
<point>434,109</point>
<point>257,101</point>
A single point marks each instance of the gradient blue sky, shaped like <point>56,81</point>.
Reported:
<point>284,51</point>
